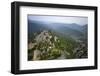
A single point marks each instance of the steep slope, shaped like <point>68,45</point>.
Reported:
<point>47,46</point>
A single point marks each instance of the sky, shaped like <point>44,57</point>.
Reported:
<point>60,19</point>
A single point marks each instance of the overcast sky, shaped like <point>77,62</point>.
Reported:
<point>60,19</point>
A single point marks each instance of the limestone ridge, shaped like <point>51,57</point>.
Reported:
<point>44,46</point>
<point>47,45</point>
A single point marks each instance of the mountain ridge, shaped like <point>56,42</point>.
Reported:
<point>74,30</point>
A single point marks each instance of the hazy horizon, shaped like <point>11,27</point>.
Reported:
<point>59,19</point>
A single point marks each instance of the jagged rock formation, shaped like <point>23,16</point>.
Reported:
<point>44,46</point>
<point>47,46</point>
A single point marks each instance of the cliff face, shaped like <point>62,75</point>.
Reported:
<point>47,45</point>
<point>44,46</point>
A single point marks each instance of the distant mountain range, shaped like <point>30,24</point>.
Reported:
<point>73,30</point>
